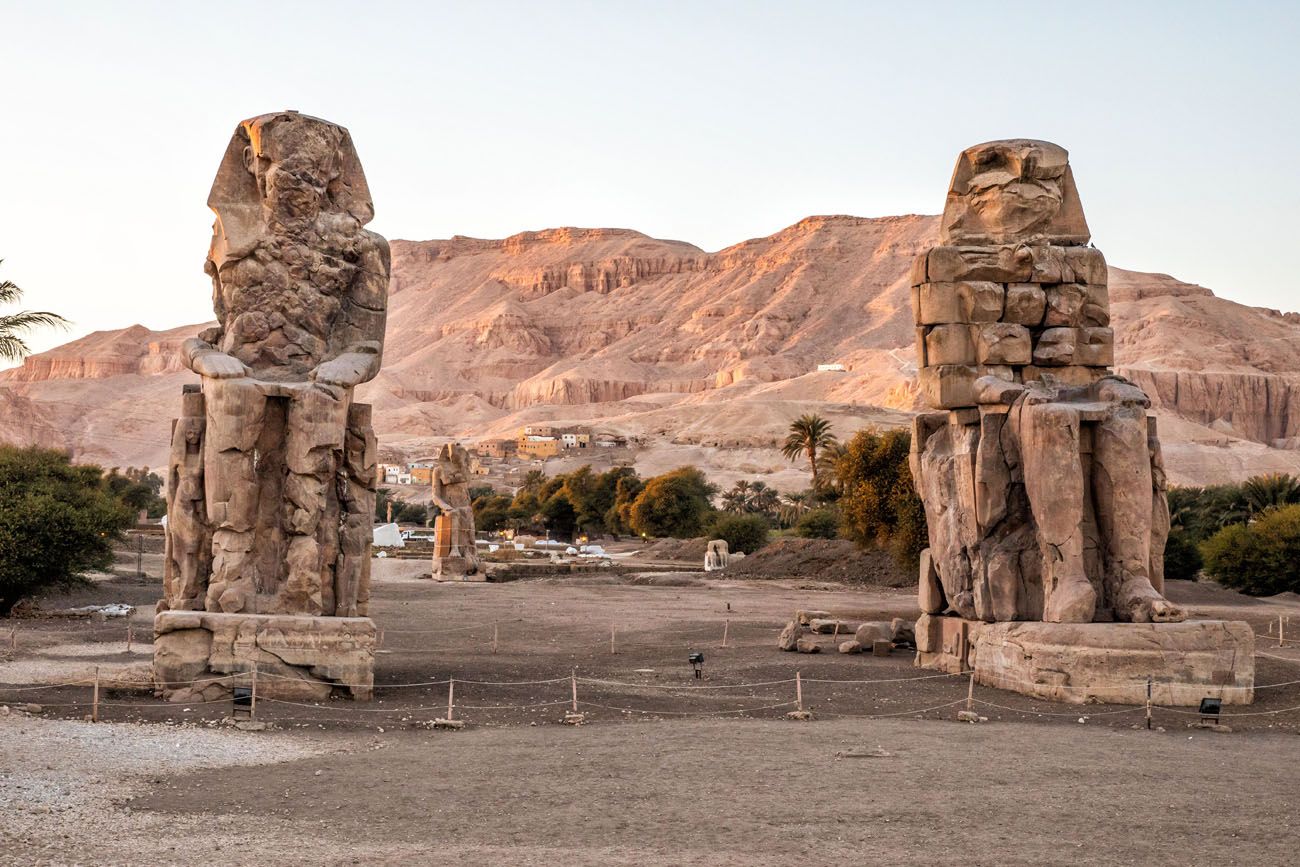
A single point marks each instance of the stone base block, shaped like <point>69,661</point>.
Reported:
<point>454,568</point>
<point>944,643</point>
<point>1110,662</point>
<point>297,657</point>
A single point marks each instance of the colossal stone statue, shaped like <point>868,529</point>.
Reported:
<point>1041,474</point>
<point>455,556</point>
<point>272,480</point>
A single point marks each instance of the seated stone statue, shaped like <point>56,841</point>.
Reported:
<point>455,554</point>
<point>286,459</point>
<point>1042,482</point>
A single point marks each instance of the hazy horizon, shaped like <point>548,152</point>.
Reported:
<point>707,124</point>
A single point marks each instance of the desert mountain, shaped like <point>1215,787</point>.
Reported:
<point>702,357</point>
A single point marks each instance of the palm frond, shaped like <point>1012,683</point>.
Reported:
<point>9,293</point>
<point>25,320</point>
<point>12,348</point>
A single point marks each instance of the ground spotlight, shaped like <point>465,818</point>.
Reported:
<point>697,659</point>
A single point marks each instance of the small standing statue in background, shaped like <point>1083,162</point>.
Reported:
<point>455,557</point>
<point>272,473</point>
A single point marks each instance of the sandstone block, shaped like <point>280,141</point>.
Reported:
<point>1025,304</point>
<point>904,632</point>
<point>1072,375</point>
<point>306,657</point>
<point>1096,347</point>
<point>937,303</point>
<point>1002,343</point>
<point>805,616</point>
<point>949,344</point>
<point>790,635</point>
<point>882,648</point>
<point>1064,305</point>
<point>929,633</point>
<point>1055,347</point>
<point>850,647</point>
<point>872,631</point>
<point>948,386</point>
<point>1110,662</point>
<point>829,626</point>
<point>950,640</point>
<point>981,300</point>
<point>1096,306</point>
<point>807,645</point>
<point>1000,264</point>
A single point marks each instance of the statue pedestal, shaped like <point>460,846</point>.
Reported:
<point>297,657</point>
<point>1097,662</point>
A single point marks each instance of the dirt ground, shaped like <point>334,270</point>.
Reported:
<point>667,769</point>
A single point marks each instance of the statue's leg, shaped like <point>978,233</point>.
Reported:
<point>317,422</point>
<point>1159,508</point>
<point>1122,488</point>
<point>356,481</point>
<point>236,409</point>
<point>1049,449</point>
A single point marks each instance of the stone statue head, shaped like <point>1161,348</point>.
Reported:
<point>1013,191</point>
<point>280,173</point>
<point>453,461</point>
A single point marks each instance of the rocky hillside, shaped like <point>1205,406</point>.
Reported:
<point>703,357</point>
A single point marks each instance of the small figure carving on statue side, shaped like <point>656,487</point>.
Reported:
<point>717,556</point>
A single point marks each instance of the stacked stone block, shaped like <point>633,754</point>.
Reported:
<point>1018,312</point>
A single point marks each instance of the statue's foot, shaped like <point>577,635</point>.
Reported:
<point>964,604</point>
<point>1071,602</point>
<point>1138,602</point>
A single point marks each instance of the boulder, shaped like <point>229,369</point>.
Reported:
<point>790,635</point>
<point>873,631</point>
<point>850,647</point>
<point>904,633</point>
<point>827,626</point>
<point>804,617</point>
<point>807,645</point>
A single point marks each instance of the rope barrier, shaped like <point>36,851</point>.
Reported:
<point>887,715</point>
<point>582,703</point>
<point>685,687</point>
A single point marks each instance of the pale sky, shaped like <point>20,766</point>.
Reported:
<point>710,122</point>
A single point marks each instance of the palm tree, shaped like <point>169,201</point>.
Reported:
<point>1269,491</point>
<point>737,499</point>
<point>13,347</point>
<point>533,481</point>
<point>795,505</point>
<point>763,500</point>
<point>808,435</point>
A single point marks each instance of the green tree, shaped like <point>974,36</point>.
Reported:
<point>14,325</point>
<point>677,503</point>
<point>823,523</point>
<point>878,505</point>
<point>1270,491</point>
<point>559,516</point>
<point>808,434</point>
<point>745,533</point>
<point>1261,558</point>
<point>491,510</point>
<point>139,489</point>
<point>58,520</point>
<point>1182,558</point>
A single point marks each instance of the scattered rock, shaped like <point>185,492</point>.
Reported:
<point>790,635</point>
<point>829,626</point>
<point>32,708</point>
<point>872,631</point>
<point>903,632</point>
<point>800,715</point>
<point>807,645</point>
<point>850,647</point>
<point>574,719</point>
<point>804,618</point>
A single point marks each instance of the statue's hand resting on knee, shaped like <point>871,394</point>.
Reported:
<point>206,360</point>
<point>348,369</point>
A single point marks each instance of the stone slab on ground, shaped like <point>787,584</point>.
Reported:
<point>297,657</point>
<point>1110,662</point>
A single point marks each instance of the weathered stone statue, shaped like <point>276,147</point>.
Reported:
<point>716,556</point>
<point>455,557</point>
<point>1041,477</point>
<point>272,479</point>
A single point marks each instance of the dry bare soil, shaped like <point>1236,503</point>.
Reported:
<point>666,769</point>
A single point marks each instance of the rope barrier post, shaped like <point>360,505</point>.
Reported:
<point>970,692</point>
<point>798,690</point>
<point>495,635</point>
<point>1148,702</point>
<point>451,698</point>
<point>726,627</point>
<point>128,637</point>
<point>94,699</point>
<point>612,630</point>
<point>573,682</point>
<point>13,637</point>
<point>835,633</point>
<point>1279,630</point>
<point>252,699</point>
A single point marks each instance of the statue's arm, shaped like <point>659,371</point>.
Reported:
<point>365,317</point>
<point>206,360</point>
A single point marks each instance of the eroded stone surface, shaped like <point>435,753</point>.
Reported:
<point>271,479</point>
<point>455,556</point>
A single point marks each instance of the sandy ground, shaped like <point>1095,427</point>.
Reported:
<point>667,769</point>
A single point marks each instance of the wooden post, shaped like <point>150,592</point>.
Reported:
<point>495,636</point>
<point>798,690</point>
<point>726,627</point>
<point>612,629</point>
<point>13,637</point>
<point>1279,630</point>
<point>573,682</point>
<point>94,701</point>
<point>835,633</point>
<point>1148,702</point>
<point>252,700</point>
<point>451,698</point>
<point>128,637</point>
<point>970,692</point>
<point>139,556</point>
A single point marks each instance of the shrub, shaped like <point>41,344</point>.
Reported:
<point>823,523</point>
<point>1182,557</point>
<point>1261,558</point>
<point>57,521</point>
<point>745,533</point>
